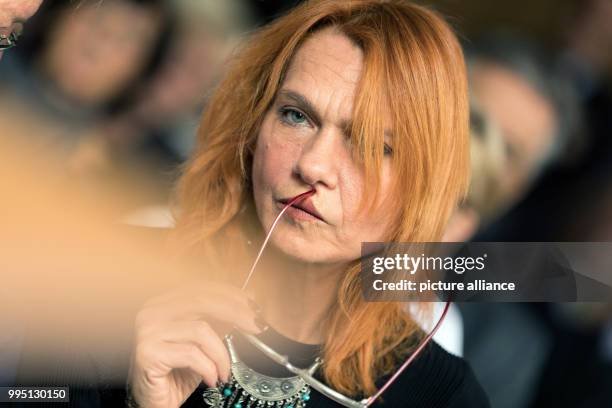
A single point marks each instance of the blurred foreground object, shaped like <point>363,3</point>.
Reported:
<point>72,276</point>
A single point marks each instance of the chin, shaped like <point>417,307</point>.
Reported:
<point>306,251</point>
<point>297,249</point>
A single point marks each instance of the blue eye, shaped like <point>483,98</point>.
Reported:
<point>292,116</point>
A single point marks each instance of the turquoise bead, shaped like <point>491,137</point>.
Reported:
<point>289,406</point>
<point>305,397</point>
<point>227,392</point>
<point>237,405</point>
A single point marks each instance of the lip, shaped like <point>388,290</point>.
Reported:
<point>303,209</point>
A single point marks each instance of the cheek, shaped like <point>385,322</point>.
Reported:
<point>367,223</point>
<point>352,192</point>
<point>273,159</point>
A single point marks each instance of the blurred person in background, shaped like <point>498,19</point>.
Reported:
<point>491,344</point>
<point>555,132</point>
<point>158,131</point>
<point>93,52</point>
<point>488,157</point>
<point>561,200</point>
<point>536,111</point>
<point>78,67</point>
<point>13,15</point>
<point>520,87</point>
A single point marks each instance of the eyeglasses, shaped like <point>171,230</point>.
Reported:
<point>9,41</point>
<point>307,374</point>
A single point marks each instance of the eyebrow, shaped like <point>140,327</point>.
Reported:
<point>304,104</point>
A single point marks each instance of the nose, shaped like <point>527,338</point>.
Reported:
<point>320,159</point>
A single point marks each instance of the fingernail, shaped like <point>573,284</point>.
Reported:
<point>254,306</point>
<point>261,324</point>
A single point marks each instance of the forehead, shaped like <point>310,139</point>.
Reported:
<point>118,11</point>
<point>327,64</point>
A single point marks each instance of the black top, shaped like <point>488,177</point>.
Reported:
<point>435,379</point>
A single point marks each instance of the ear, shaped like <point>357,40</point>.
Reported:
<point>462,225</point>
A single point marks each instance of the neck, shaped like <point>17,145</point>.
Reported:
<point>296,297</point>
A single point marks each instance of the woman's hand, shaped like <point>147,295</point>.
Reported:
<point>175,348</point>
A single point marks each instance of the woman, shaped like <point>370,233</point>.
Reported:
<point>76,68</point>
<point>364,103</point>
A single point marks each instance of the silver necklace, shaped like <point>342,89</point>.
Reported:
<point>250,389</point>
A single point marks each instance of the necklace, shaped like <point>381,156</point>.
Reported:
<point>250,389</point>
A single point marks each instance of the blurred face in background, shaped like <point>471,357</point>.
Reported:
<point>526,119</point>
<point>13,14</point>
<point>97,49</point>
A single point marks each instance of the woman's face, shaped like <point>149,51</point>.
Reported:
<point>302,144</point>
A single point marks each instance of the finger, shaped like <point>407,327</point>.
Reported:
<point>165,357</point>
<point>202,335</point>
